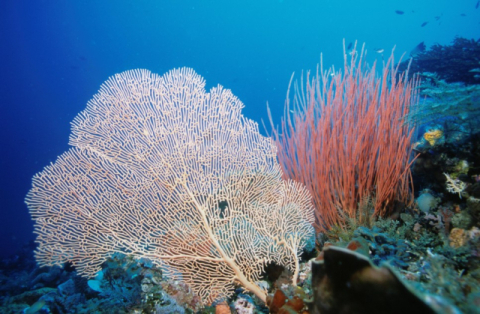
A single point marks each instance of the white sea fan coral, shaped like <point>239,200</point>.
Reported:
<point>163,170</point>
<point>455,185</point>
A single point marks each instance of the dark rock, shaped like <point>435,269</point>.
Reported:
<point>67,288</point>
<point>346,282</point>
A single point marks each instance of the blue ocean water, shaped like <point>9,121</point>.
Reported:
<point>54,55</point>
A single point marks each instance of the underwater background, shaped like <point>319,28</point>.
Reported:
<point>54,55</point>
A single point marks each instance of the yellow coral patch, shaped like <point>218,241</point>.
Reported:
<point>433,136</point>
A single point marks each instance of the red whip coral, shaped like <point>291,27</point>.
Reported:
<point>345,139</point>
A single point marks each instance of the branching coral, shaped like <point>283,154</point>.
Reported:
<point>447,103</point>
<point>457,62</point>
<point>455,186</point>
<point>163,170</point>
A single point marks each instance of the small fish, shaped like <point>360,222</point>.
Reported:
<point>418,49</point>
<point>437,18</point>
<point>423,24</point>
<point>401,12</point>
<point>478,4</point>
<point>463,14</point>
<point>350,46</point>
<point>381,50</point>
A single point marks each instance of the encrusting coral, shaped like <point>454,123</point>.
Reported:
<point>432,136</point>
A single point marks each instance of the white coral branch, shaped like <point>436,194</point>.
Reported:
<point>455,185</point>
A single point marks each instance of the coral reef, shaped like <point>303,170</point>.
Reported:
<point>422,256</point>
<point>451,108</point>
<point>457,62</point>
<point>124,286</point>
